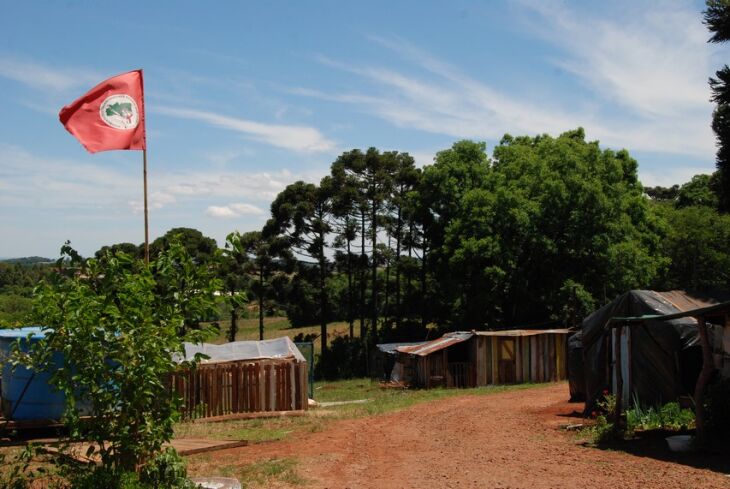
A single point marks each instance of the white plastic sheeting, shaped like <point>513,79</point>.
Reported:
<point>282,347</point>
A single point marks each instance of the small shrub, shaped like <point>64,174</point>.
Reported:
<point>603,431</point>
<point>166,470</point>
<point>669,417</point>
<point>344,359</point>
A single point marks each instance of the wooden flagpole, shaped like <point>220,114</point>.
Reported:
<point>146,218</point>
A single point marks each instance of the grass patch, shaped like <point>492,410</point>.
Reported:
<point>383,400</point>
<point>266,472</point>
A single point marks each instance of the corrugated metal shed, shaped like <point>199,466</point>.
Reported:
<point>277,348</point>
<point>392,348</point>
<point>438,344</point>
<point>522,332</point>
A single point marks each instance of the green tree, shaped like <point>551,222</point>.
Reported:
<point>232,270</point>
<point>130,249</point>
<point>439,202</point>
<point>550,213</point>
<point>301,215</point>
<point>267,254</point>
<point>698,245</point>
<point>200,247</point>
<point>717,19</point>
<point>698,191</point>
<point>117,325</point>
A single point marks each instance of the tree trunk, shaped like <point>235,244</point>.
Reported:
<point>362,267</point>
<point>708,368</point>
<point>423,286</point>
<point>398,232</point>
<point>234,324</point>
<point>350,315</point>
<point>261,303</point>
<point>386,288</point>
<point>374,238</point>
<point>323,293</point>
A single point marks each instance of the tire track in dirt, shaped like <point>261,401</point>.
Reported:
<point>503,440</point>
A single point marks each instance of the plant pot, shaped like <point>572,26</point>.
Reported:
<point>680,443</point>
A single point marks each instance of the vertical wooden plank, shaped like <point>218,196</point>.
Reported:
<point>619,381</point>
<point>543,358</point>
<point>518,360</point>
<point>533,359</point>
<point>234,388</point>
<point>559,356</point>
<point>495,359</point>
<point>290,385</point>
<point>268,377</point>
<point>305,386</point>
<point>552,364</point>
<point>526,377</point>
<point>247,387</point>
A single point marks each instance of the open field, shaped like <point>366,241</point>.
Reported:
<point>477,438</point>
<point>275,327</point>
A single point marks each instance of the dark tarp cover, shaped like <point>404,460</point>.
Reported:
<point>663,365</point>
<point>576,378</point>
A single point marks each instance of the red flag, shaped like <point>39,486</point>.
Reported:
<point>110,115</point>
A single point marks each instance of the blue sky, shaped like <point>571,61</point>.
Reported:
<point>243,98</point>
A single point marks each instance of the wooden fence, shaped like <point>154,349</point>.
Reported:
<point>461,375</point>
<point>218,389</point>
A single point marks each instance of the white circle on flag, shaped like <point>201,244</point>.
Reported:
<point>120,112</point>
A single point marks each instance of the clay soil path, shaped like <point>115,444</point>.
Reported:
<point>505,440</point>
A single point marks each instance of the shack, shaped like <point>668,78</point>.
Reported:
<point>242,377</point>
<point>660,357</point>
<point>480,358</point>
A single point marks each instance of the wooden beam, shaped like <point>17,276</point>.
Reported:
<point>708,368</point>
<point>619,381</point>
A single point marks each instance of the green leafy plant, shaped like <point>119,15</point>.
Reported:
<point>603,432</point>
<point>118,324</point>
<point>669,416</point>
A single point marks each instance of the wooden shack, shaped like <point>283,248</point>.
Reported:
<point>480,358</point>
<point>243,377</point>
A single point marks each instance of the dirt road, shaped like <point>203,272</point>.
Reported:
<point>506,440</point>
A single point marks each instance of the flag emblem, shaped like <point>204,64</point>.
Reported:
<point>120,112</point>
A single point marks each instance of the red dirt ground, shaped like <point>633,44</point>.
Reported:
<point>505,440</point>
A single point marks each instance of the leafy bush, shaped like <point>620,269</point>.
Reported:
<point>669,417</point>
<point>118,323</point>
<point>344,359</point>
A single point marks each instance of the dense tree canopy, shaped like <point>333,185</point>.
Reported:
<point>547,211</point>
<point>717,19</point>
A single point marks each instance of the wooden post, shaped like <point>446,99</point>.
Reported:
<point>146,219</point>
<point>619,382</point>
<point>704,377</point>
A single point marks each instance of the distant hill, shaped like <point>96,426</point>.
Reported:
<point>27,260</point>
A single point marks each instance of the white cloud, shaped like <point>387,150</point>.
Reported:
<point>242,209</point>
<point>653,61</point>
<point>646,81</point>
<point>670,176</point>
<point>31,181</point>
<point>44,77</point>
<point>296,138</point>
<point>233,210</point>
<point>220,212</point>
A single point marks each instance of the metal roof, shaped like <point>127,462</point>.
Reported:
<point>723,307</point>
<point>393,347</point>
<point>449,339</point>
<point>687,301</point>
<point>275,348</point>
<point>522,332</point>
<point>438,344</point>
